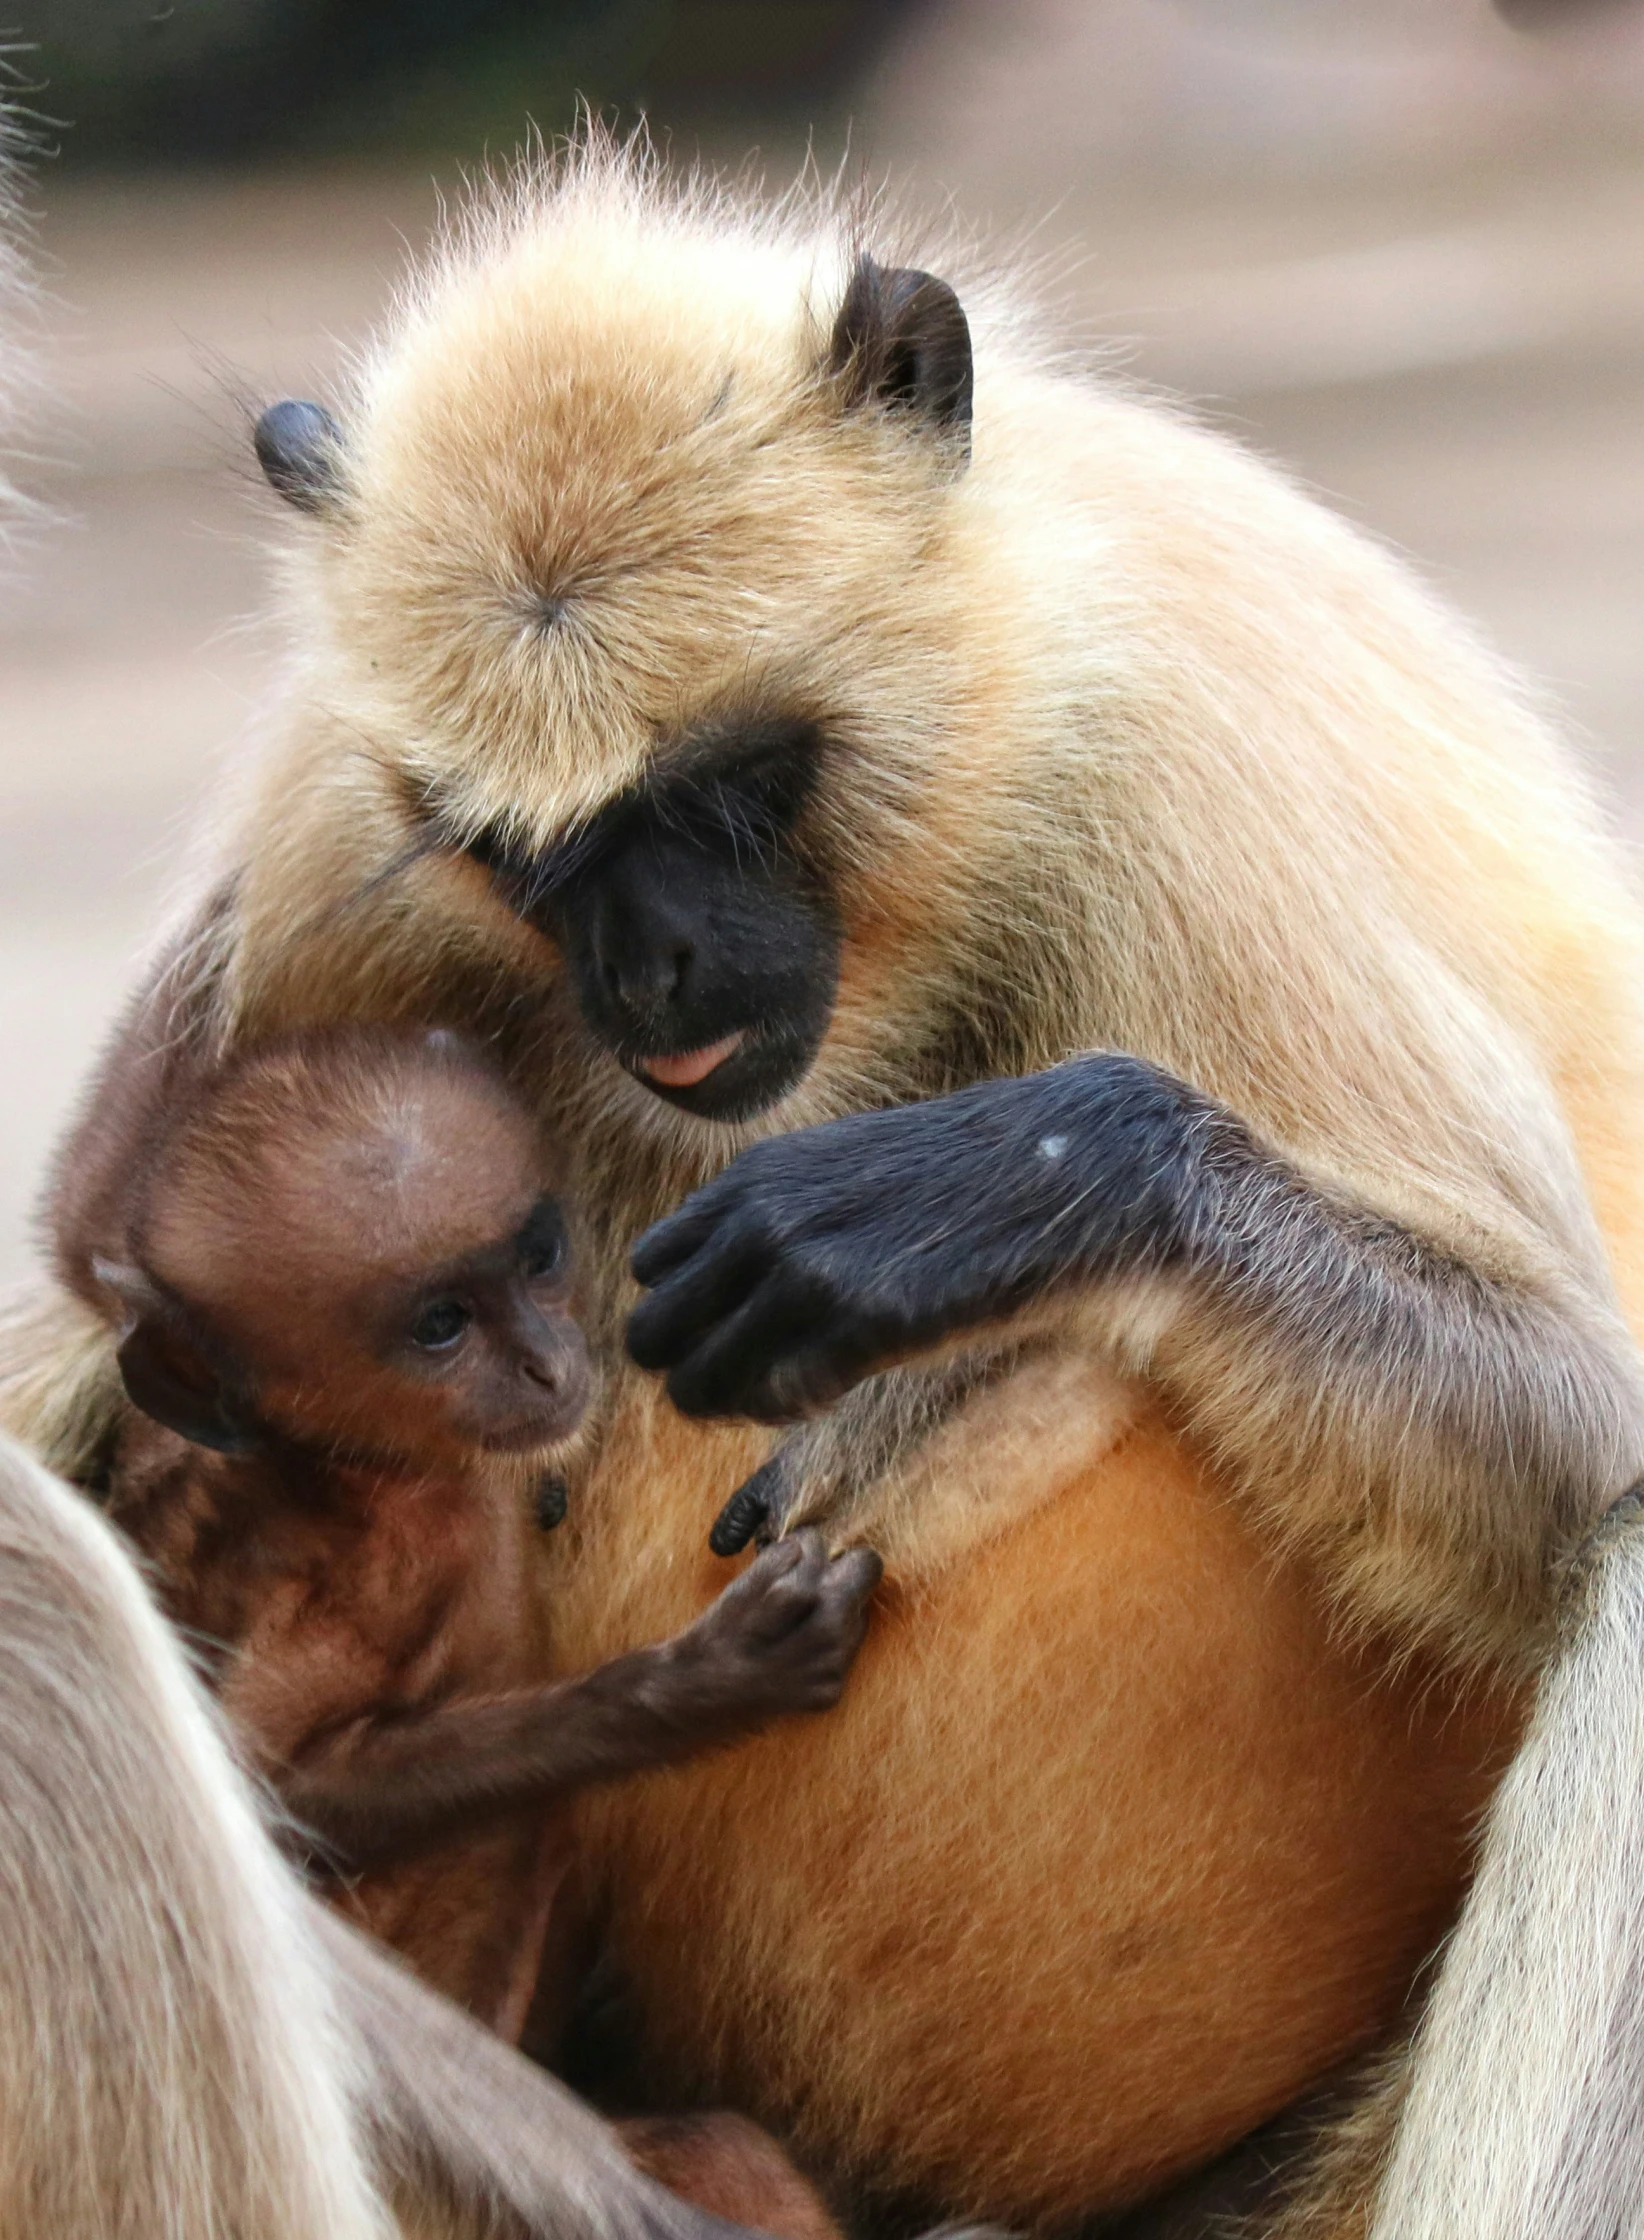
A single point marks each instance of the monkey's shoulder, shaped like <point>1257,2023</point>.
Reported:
<point>182,1506</point>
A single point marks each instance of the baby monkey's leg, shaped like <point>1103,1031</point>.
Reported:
<point>780,1639</point>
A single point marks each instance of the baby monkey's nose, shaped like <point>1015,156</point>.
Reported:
<point>562,1374</point>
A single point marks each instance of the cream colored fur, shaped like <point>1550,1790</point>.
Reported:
<point>1523,2114</point>
<point>169,2061</point>
<point>1130,744</point>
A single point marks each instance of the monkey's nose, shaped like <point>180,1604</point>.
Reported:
<point>556,1386</point>
<point>561,1372</point>
<point>646,982</point>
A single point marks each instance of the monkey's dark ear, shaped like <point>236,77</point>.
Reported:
<point>170,1379</point>
<point>902,339</point>
<point>299,448</point>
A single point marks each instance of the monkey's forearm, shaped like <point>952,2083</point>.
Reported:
<point>781,1638</point>
<point>1432,1435</point>
<point>470,2137</point>
<point>388,1789</point>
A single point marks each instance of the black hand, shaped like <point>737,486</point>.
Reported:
<point>818,1257</point>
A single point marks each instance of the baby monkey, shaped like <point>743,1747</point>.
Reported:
<point>346,1321</point>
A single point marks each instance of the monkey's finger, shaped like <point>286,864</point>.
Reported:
<point>664,1327</point>
<point>855,1574</point>
<point>780,1556</point>
<point>676,1237</point>
<point>740,1355</point>
<point>768,1568</point>
<point>785,1587</point>
<point>799,1561</point>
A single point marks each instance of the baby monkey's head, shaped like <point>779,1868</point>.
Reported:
<point>350,1242</point>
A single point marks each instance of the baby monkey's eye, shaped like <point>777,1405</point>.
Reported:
<point>440,1324</point>
<point>541,1243</point>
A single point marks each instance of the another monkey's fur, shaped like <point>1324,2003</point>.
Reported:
<point>1521,2111</point>
<point>170,2057</point>
<point>1118,746</point>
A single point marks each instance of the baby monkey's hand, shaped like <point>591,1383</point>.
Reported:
<point>783,1636</point>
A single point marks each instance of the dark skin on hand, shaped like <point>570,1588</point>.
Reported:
<point>819,1257</point>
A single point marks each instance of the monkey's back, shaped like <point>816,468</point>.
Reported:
<point>1108,1853</point>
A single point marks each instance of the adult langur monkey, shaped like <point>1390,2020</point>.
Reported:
<point>189,2045</point>
<point>754,706</point>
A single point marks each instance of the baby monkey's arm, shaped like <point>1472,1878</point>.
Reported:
<point>781,1638</point>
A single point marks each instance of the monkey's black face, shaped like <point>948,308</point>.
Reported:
<point>703,944</point>
<point>711,981</point>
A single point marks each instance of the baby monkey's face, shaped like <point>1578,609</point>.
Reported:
<point>483,1347</point>
<point>356,1247</point>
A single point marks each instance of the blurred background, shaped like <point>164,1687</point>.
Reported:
<point>1398,244</point>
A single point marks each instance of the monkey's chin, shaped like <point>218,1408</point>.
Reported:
<point>536,1435</point>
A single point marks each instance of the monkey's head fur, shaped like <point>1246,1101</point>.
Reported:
<point>349,1241</point>
<point>751,670</point>
<point>655,514</point>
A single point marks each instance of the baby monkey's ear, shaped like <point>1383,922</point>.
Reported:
<point>300,450</point>
<point>167,1370</point>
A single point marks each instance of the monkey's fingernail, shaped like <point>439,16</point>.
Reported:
<point>553,1498</point>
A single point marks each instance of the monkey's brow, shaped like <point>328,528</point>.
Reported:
<point>535,873</point>
<point>697,772</point>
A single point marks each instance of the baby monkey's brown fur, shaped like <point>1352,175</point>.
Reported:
<point>347,1320</point>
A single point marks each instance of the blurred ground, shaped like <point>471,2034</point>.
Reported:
<point>1404,253</point>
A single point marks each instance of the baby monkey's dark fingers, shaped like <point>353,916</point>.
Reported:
<point>854,1575</point>
<point>846,1590</point>
<point>791,1576</point>
<point>748,1513</point>
<point>825,1647</point>
<point>776,1593</point>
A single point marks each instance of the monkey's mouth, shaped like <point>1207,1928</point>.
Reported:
<point>544,1430</point>
<point>550,1421</point>
<point>686,1069</point>
<point>729,1080</point>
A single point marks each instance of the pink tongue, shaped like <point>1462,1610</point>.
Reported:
<point>691,1066</point>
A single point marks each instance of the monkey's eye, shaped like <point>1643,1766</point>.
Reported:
<point>540,1261</point>
<point>541,1243</point>
<point>440,1324</point>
